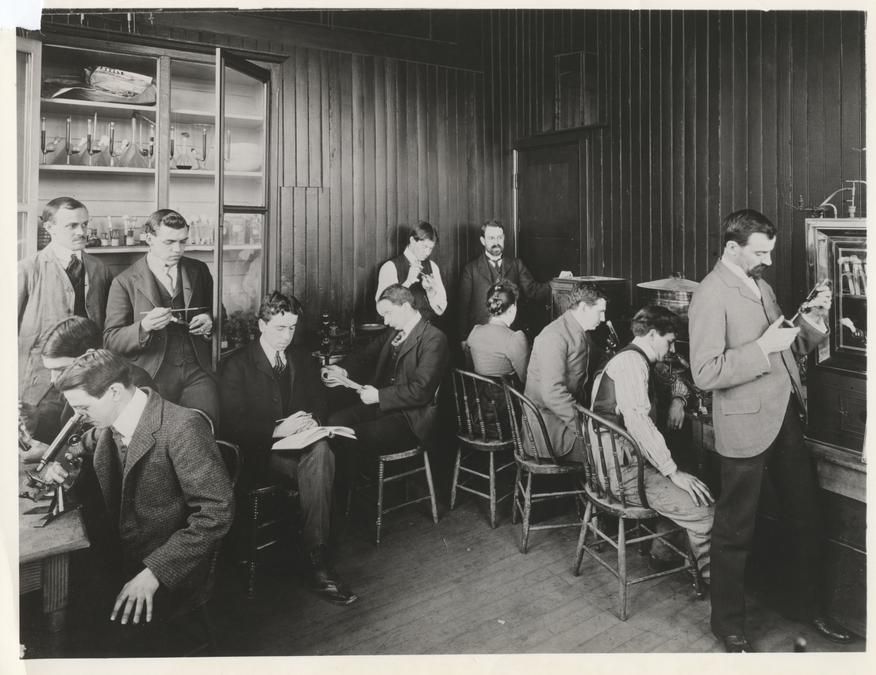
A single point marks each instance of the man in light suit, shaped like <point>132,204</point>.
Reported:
<point>269,380</point>
<point>397,407</point>
<point>559,370</point>
<point>487,269</point>
<point>743,351</point>
<point>158,316</point>
<point>56,283</point>
<point>166,491</point>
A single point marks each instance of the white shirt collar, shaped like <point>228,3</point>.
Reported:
<point>129,418</point>
<point>410,325</point>
<point>739,272</point>
<point>270,352</point>
<point>642,344</point>
<point>492,258</point>
<point>63,254</point>
<point>158,266</point>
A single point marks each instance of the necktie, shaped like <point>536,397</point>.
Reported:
<point>76,274</point>
<point>398,339</point>
<point>279,366</point>
<point>121,447</point>
<point>171,278</point>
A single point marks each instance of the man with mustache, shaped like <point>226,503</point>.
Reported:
<point>480,274</point>
<point>57,282</point>
<point>148,319</point>
<point>743,351</point>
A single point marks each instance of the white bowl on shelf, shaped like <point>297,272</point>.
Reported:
<point>245,156</point>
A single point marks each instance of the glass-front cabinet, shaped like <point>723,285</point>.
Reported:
<point>837,374</point>
<point>143,128</point>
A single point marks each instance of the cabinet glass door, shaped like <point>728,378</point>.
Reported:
<point>27,107</point>
<point>93,111</point>
<point>243,198</point>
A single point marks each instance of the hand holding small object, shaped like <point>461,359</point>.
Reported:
<point>368,395</point>
<point>777,338</point>
<point>333,376</point>
<point>156,319</point>
<point>202,324</point>
<point>427,282</point>
<point>413,274</point>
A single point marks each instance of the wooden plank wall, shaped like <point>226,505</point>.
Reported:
<point>706,113</point>
<point>371,145</point>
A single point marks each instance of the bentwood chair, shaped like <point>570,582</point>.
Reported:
<point>608,449</point>
<point>483,432</point>
<point>527,424</point>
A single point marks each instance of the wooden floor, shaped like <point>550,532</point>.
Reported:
<point>461,587</point>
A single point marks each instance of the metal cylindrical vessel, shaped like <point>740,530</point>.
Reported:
<point>673,293</point>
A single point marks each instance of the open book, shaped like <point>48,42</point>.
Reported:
<point>300,430</point>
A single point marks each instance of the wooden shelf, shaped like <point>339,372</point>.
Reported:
<point>82,168</point>
<point>69,105</point>
<point>208,117</point>
<point>191,247</point>
<point>207,173</point>
<point>853,296</point>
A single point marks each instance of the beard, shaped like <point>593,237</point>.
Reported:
<point>756,272</point>
<point>496,250</point>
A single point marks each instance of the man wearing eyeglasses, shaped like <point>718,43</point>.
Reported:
<point>57,282</point>
<point>158,316</point>
<point>168,496</point>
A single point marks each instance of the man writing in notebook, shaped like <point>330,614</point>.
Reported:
<point>268,381</point>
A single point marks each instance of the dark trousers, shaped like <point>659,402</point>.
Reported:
<point>314,473</point>
<point>789,466</point>
<point>186,384</point>
<point>377,434</point>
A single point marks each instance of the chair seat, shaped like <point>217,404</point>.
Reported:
<point>488,445</point>
<point>612,506</point>
<point>534,466</point>
<point>404,454</point>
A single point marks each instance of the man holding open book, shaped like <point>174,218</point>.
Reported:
<point>272,389</point>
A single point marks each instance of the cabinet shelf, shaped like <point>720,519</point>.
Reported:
<point>68,105</point>
<point>192,116</point>
<point>853,296</point>
<point>102,250</point>
<point>206,173</point>
<point>82,168</point>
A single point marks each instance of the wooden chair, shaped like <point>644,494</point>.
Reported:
<point>607,495</point>
<point>527,426</point>
<point>483,428</point>
<point>408,461</point>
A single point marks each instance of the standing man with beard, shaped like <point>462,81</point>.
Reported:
<point>480,274</point>
<point>159,316</point>
<point>56,283</point>
<point>743,351</point>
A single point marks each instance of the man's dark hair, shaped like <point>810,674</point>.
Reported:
<point>166,217</point>
<point>492,223</point>
<point>276,303</point>
<point>71,337</point>
<point>423,230</point>
<point>94,372</point>
<point>659,318</point>
<point>500,296</point>
<point>397,295</point>
<point>58,203</point>
<point>587,293</point>
<point>740,225</point>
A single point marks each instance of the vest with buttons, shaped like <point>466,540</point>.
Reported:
<point>605,402</point>
<point>179,348</point>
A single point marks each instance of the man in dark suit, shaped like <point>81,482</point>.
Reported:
<point>397,407</point>
<point>487,269</point>
<point>743,351</point>
<point>165,488</point>
<point>158,316</point>
<point>58,282</point>
<point>269,380</point>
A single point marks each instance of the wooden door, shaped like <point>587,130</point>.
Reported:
<point>548,212</point>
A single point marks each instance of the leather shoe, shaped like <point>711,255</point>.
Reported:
<point>326,581</point>
<point>736,644</point>
<point>833,632</point>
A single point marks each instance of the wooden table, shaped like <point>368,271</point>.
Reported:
<point>44,557</point>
